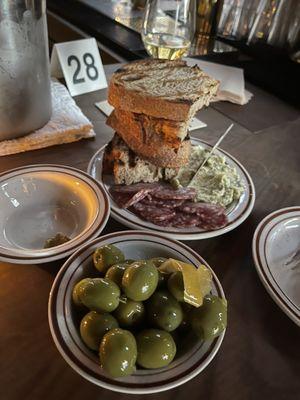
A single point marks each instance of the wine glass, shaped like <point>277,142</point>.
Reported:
<point>168,28</point>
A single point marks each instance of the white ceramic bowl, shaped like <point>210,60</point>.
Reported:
<point>276,254</point>
<point>38,201</point>
<point>64,321</point>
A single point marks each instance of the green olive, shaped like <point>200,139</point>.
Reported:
<point>129,313</point>
<point>162,279</point>
<point>187,310</point>
<point>156,348</point>
<point>162,276</point>
<point>77,289</point>
<point>210,320</point>
<point>175,285</point>
<point>164,311</point>
<point>129,261</point>
<point>100,294</point>
<point>93,327</point>
<point>140,280</point>
<point>157,261</point>
<point>106,256</point>
<point>118,353</point>
<point>115,273</point>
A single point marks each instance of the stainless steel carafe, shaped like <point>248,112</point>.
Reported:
<point>25,97</point>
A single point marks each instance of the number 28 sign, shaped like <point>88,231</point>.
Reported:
<point>80,63</point>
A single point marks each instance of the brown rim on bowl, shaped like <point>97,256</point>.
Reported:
<point>279,298</point>
<point>83,369</point>
<point>66,249</point>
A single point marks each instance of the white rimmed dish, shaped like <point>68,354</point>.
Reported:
<point>276,254</point>
<point>39,201</point>
<point>236,212</point>
<point>64,327</point>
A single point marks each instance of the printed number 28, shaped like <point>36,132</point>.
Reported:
<point>91,70</point>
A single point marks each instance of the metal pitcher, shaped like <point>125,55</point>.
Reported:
<point>25,96</point>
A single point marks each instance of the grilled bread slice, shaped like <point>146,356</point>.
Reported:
<point>151,128</point>
<point>150,145</point>
<point>129,168</point>
<point>161,88</point>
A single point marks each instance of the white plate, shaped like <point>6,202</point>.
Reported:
<point>63,320</point>
<point>276,253</point>
<point>38,201</point>
<point>236,212</point>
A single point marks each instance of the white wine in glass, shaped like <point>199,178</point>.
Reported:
<point>167,29</point>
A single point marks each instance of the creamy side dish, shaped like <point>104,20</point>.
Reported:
<point>216,182</point>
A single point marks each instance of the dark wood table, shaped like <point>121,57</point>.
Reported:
<point>260,356</point>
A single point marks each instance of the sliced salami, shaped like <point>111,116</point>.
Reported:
<point>216,221</point>
<point>182,220</point>
<point>149,200</point>
<point>126,196</point>
<point>153,213</point>
<point>166,193</point>
<point>202,209</point>
<point>126,200</point>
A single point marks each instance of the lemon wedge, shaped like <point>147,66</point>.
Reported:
<point>196,281</point>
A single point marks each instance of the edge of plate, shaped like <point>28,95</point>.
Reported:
<point>259,268</point>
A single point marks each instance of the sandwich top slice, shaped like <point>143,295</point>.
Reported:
<point>161,88</point>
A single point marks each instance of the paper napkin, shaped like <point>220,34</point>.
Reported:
<point>232,83</point>
<point>106,108</point>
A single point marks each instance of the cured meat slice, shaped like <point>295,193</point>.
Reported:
<point>149,200</point>
<point>202,209</point>
<point>213,222</point>
<point>210,216</point>
<point>125,200</point>
<point>166,193</point>
<point>126,196</point>
<point>153,213</point>
<point>182,220</point>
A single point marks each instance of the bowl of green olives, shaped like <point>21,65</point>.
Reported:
<point>136,312</point>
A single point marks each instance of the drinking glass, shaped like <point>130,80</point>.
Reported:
<point>168,27</point>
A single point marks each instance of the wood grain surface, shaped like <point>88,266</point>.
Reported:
<point>260,356</point>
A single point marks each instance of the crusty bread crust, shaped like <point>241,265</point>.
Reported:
<point>152,147</point>
<point>129,168</point>
<point>149,87</point>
